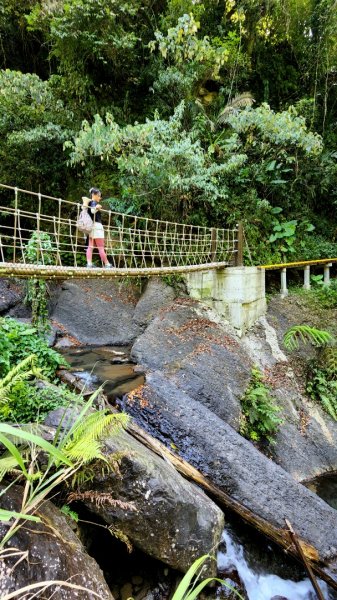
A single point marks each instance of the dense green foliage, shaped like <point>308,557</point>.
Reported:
<point>197,110</point>
<point>26,359</point>
<point>322,370</point>
<point>37,296</point>
<point>18,340</point>
<point>260,415</point>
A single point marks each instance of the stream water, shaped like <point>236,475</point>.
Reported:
<point>245,558</point>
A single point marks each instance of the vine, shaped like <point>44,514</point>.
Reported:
<point>38,251</point>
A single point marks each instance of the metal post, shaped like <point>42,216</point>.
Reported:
<point>327,273</point>
<point>239,246</point>
<point>284,289</point>
<point>306,283</point>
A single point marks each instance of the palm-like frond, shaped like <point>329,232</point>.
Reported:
<point>22,371</point>
<point>83,445</point>
<point>240,101</point>
<point>305,334</point>
<point>7,464</point>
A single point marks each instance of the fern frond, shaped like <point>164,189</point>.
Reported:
<point>330,356</point>
<point>240,101</point>
<point>84,442</point>
<point>305,334</point>
<point>7,464</point>
<point>21,372</point>
<point>21,366</point>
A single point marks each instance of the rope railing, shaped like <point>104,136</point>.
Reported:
<point>134,245</point>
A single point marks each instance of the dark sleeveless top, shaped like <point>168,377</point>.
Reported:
<point>96,217</point>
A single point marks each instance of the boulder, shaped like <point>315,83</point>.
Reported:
<point>156,296</point>
<point>306,443</point>
<point>174,520</point>
<point>232,463</point>
<point>11,294</point>
<point>207,361</point>
<point>105,312</point>
<point>53,553</point>
<point>199,355</point>
<point>96,312</point>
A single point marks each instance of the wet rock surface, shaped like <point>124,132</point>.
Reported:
<point>198,356</point>
<point>96,313</point>
<point>173,521</point>
<point>233,464</point>
<point>54,553</point>
<point>102,313</point>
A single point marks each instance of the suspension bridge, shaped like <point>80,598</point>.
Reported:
<point>46,243</point>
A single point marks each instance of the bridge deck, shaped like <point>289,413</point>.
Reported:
<point>55,272</point>
<point>47,243</point>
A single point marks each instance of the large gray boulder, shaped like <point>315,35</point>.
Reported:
<point>306,443</point>
<point>199,355</point>
<point>107,312</point>
<point>207,361</point>
<point>233,464</point>
<point>53,553</point>
<point>155,297</point>
<point>96,312</point>
<point>173,521</point>
<point>11,294</point>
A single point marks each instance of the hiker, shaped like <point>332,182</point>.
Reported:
<point>96,235</point>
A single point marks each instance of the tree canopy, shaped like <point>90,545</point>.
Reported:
<point>201,111</point>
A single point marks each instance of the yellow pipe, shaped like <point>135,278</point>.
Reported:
<point>298,264</point>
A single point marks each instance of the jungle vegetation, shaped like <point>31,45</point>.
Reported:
<point>202,111</point>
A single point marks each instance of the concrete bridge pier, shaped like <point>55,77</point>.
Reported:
<point>237,294</point>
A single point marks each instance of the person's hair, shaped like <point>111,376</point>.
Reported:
<point>94,190</point>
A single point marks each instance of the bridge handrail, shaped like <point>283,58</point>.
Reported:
<point>113,212</point>
<point>131,241</point>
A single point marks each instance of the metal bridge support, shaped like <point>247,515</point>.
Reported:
<point>237,294</point>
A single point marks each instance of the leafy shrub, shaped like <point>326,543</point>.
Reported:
<point>259,420</point>
<point>18,340</point>
<point>26,403</point>
<point>39,251</point>
<point>322,387</point>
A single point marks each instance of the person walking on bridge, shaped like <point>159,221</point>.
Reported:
<point>96,236</point>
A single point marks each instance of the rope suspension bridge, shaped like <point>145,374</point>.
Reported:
<point>46,243</point>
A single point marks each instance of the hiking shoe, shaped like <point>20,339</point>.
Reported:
<point>107,266</point>
<point>90,266</point>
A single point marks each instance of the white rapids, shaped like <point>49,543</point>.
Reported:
<point>264,586</point>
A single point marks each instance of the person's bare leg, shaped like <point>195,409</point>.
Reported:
<point>100,245</point>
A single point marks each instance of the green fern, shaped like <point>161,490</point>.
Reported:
<point>84,444</point>
<point>328,360</point>
<point>22,371</point>
<point>305,334</point>
<point>260,419</point>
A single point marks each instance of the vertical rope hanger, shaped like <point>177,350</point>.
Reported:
<point>143,243</point>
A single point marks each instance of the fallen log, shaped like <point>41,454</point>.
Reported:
<point>280,535</point>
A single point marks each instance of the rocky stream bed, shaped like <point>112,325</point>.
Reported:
<point>196,370</point>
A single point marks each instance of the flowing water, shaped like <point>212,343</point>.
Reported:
<point>105,365</point>
<point>245,559</point>
<point>259,581</point>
